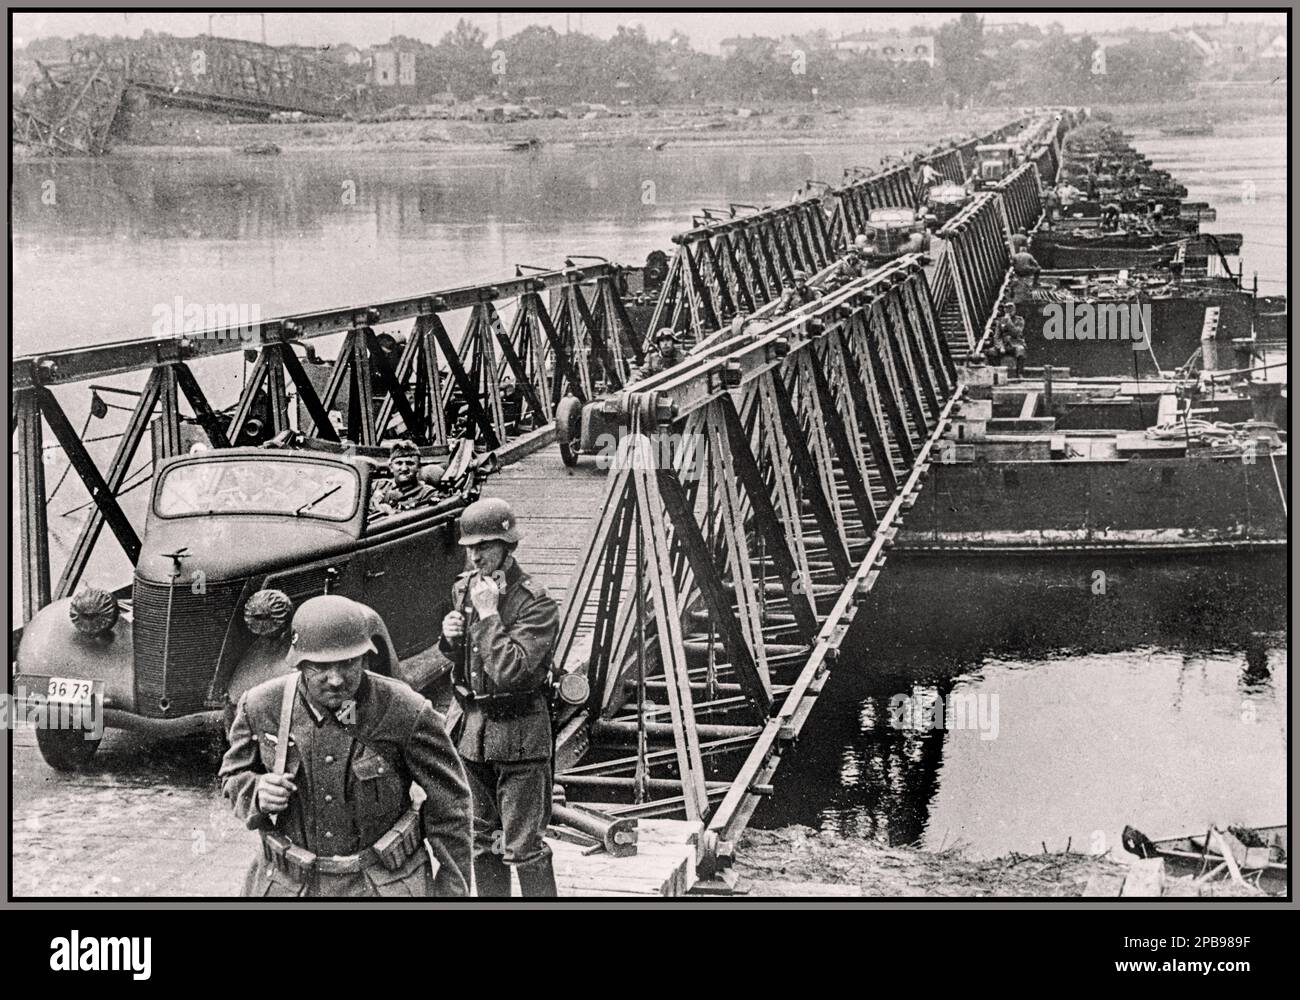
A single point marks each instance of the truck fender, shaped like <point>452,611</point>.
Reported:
<point>51,646</point>
<point>263,660</point>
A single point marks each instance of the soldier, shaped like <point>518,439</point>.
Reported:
<point>1025,265</point>
<point>1051,204</point>
<point>321,764</point>
<point>406,491</point>
<point>798,295</point>
<point>499,638</point>
<point>1011,332</point>
<point>1019,241</point>
<point>667,353</point>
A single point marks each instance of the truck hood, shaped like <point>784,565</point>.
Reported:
<point>237,546</point>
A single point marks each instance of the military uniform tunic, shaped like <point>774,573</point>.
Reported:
<point>400,498</point>
<point>657,362</point>
<point>353,771</point>
<point>508,760</point>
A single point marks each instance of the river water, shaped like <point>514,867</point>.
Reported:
<point>1164,707</point>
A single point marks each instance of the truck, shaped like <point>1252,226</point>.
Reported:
<point>173,654</point>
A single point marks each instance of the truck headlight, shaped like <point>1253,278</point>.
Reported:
<point>94,611</point>
<point>267,612</point>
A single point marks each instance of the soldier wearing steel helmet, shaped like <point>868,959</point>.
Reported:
<point>798,294</point>
<point>499,639</point>
<point>321,764</point>
<point>667,353</point>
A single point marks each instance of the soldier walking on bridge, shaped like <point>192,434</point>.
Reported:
<point>499,639</point>
<point>321,763</point>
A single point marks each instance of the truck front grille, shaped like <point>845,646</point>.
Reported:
<point>198,626</point>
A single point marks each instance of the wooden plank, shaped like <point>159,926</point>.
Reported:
<point>578,884</point>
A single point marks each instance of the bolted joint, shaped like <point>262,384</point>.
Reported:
<point>488,293</point>
<point>731,373</point>
<point>433,304</point>
<point>372,316</point>
<point>289,330</point>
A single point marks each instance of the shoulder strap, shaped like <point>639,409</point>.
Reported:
<point>287,700</point>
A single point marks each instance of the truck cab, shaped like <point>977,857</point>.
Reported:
<point>223,525</point>
<point>944,201</point>
<point>893,232</point>
<point>995,161</point>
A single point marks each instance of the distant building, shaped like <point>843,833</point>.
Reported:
<point>895,48</point>
<point>401,66</point>
<point>402,71</point>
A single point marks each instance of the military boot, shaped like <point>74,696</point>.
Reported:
<point>491,877</point>
<point>537,878</point>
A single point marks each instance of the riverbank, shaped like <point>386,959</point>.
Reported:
<point>167,131</point>
<point>164,131</point>
<point>798,861</point>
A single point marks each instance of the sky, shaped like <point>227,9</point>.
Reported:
<point>704,30</point>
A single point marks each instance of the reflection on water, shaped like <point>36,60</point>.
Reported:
<point>1241,170</point>
<point>1161,704</point>
<point>313,230</point>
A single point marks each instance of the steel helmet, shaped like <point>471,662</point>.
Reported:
<point>860,240</point>
<point>488,520</point>
<point>330,628</point>
<point>667,333</point>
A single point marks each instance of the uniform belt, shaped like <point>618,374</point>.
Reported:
<point>347,864</point>
<point>390,851</point>
<point>509,705</point>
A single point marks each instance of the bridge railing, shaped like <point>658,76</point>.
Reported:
<point>971,268</point>
<point>735,266</point>
<point>487,362</point>
<point>1020,198</point>
<point>751,482</point>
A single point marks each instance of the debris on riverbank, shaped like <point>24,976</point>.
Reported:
<point>798,861</point>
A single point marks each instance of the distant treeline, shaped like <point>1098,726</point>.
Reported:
<point>1028,66</point>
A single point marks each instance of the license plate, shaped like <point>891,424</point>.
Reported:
<point>73,689</point>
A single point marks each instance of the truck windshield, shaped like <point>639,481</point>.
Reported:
<point>258,486</point>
